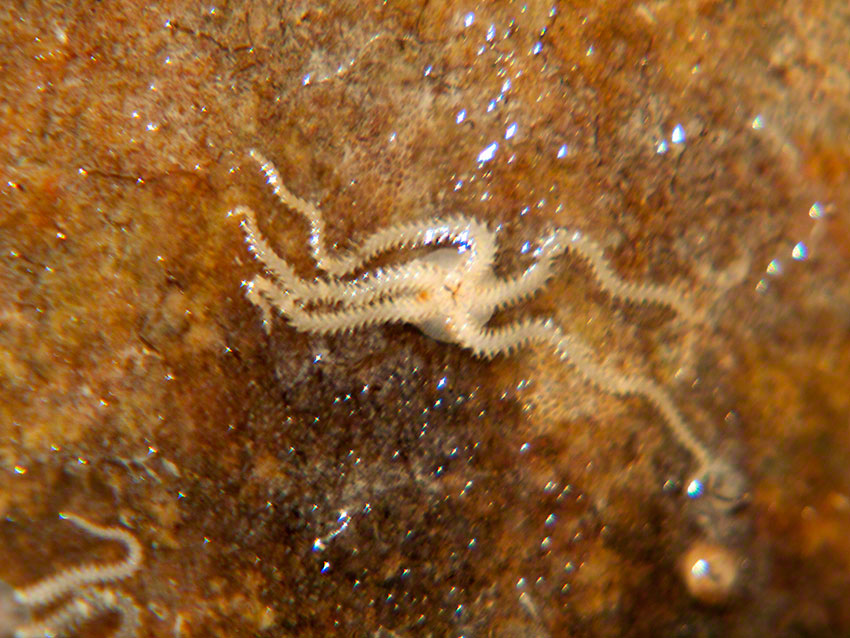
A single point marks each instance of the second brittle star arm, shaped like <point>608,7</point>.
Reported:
<point>458,229</point>
<point>363,290</point>
<point>397,310</point>
<point>260,248</point>
<point>84,606</point>
<point>51,589</point>
<point>591,252</point>
<point>504,292</point>
<point>491,342</point>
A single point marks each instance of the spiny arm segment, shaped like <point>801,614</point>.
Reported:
<point>591,252</point>
<point>467,232</point>
<point>51,589</point>
<point>503,292</point>
<point>491,342</point>
<point>403,279</point>
<point>88,603</point>
<point>266,295</point>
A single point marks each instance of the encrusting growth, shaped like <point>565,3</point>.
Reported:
<point>452,292</point>
<point>85,601</point>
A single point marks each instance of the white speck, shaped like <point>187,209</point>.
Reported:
<point>758,123</point>
<point>774,268</point>
<point>800,252</point>
<point>306,79</point>
<point>700,568</point>
<point>525,447</point>
<point>537,48</point>
<point>563,151</point>
<point>488,153</point>
<point>695,489</point>
<point>491,106</point>
<point>428,70</point>
<point>511,131</point>
<point>461,116</point>
<point>678,136</point>
<point>468,19</point>
<point>491,32</point>
<point>816,211</point>
<point>662,147</point>
<point>506,85</point>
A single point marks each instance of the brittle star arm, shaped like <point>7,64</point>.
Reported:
<point>591,252</point>
<point>405,278</point>
<point>261,249</point>
<point>491,342</point>
<point>265,294</point>
<point>504,292</point>
<point>88,603</point>
<point>475,235</point>
<point>50,589</point>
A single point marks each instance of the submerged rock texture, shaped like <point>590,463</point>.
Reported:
<point>381,483</point>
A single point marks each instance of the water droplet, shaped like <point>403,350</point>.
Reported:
<point>678,136</point>
<point>488,153</point>
<point>695,489</point>
<point>800,252</point>
<point>774,268</point>
<point>700,569</point>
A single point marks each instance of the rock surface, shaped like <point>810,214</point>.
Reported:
<point>382,483</point>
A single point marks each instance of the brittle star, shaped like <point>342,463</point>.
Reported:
<point>86,600</point>
<point>451,293</point>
